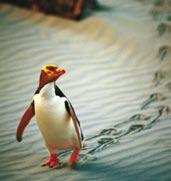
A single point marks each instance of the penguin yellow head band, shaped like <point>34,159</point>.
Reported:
<point>50,73</point>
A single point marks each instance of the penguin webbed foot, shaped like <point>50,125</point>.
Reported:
<point>52,162</point>
<point>74,157</point>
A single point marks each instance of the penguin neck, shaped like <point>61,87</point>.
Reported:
<point>48,91</point>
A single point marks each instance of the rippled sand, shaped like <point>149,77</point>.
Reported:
<point>118,63</point>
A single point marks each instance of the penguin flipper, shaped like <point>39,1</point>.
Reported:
<point>58,91</point>
<point>69,109</point>
<point>29,113</point>
<point>71,112</point>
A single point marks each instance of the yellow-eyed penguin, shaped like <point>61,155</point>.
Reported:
<point>55,117</point>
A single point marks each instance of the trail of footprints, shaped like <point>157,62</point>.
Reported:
<point>145,119</point>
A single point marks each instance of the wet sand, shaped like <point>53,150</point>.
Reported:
<point>118,78</point>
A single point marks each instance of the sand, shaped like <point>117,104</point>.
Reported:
<point>118,63</point>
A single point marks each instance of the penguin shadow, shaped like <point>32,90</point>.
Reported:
<point>62,164</point>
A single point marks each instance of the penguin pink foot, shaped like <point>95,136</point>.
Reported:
<point>74,157</point>
<point>52,162</point>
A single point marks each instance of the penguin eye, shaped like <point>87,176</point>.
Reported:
<point>51,68</point>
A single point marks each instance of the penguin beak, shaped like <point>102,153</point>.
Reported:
<point>55,74</point>
<point>50,73</point>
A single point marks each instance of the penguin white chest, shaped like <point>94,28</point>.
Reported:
<point>54,122</point>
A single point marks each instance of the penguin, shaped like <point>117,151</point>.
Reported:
<point>55,117</point>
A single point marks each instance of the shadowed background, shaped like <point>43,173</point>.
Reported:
<point>118,80</point>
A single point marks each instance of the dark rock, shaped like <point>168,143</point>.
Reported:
<point>71,9</point>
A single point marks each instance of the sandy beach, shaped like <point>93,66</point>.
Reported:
<point>118,78</point>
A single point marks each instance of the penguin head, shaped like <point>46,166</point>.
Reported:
<point>50,73</point>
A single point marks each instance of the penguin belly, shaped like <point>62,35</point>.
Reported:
<point>54,122</point>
